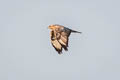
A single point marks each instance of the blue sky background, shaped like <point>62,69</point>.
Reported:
<point>27,54</point>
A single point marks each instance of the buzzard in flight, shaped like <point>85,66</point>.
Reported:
<point>60,36</point>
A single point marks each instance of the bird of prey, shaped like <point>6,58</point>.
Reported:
<point>60,36</point>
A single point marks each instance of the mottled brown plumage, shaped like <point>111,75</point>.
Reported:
<point>60,36</point>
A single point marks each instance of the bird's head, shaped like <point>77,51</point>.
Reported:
<point>53,26</point>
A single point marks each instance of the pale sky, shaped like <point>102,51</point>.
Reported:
<point>26,52</point>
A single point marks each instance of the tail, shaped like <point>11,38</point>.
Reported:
<point>75,31</point>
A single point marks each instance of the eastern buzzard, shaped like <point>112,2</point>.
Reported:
<point>60,36</point>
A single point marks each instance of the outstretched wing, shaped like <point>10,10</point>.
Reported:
<point>55,43</point>
<point>63,38</point>
<point>59,39</point>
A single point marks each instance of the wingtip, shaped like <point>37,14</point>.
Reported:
<point>59,53</point>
